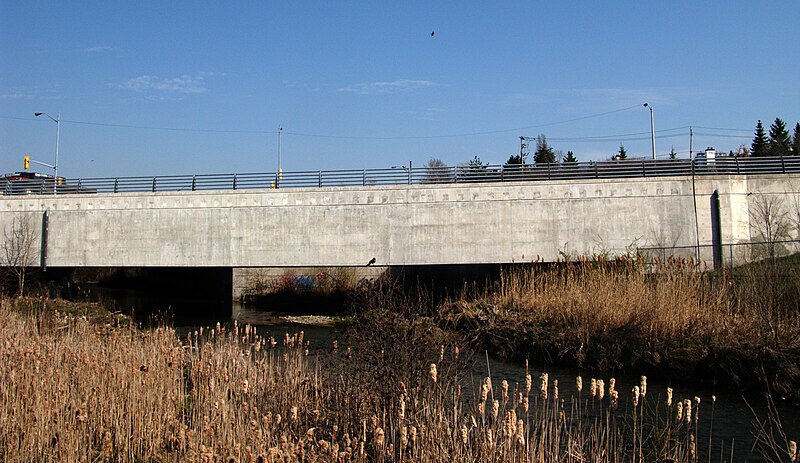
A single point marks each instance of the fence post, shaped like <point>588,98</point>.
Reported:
<point>154,184</point>
<point>234,181</point>
<point>194,183</point>
<point>737,166</point>
<point>783,164</point>
<point>596,171</point>
<point>644,170</point>
<point>116,185</point>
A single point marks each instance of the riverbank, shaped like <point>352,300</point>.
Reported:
<point>76,390</point>
<point>738,331</point>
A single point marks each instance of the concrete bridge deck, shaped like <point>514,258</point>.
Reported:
<point>397,225</point>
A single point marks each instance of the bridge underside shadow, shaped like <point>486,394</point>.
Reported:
<point>168,292</point>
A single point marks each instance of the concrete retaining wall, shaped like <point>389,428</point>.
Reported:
<point>396,225</point>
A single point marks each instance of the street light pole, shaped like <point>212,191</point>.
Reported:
<point>652,129</point>
<point>57,120</point>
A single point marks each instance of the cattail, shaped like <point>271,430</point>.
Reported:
<point>495,409</point>
<point>504,387</point>
<point>713,399</point>
<point>402,412</point>
<point>687,410</point>
<point>482,409</point>
<point>679,415</point>
<point>669,397</point>
<point>528,384</point>
<point>636,393</point>
<point>792,450</point>
<point>412,435</point>
<point>464,434</point>
<point>489,438</point>
<point>433,372</point>
<point>579,384</point>
<point>520,433</point>
<point>441,354</point>
<point>379,437</point>
<point>696,409</point>
<point>612,386</point>
<point>601,389</point>
<point>614,399</point>
<point>643,386</point>
<point>593,387</point>
<point>294,413</point>
<point>484,391</point>
<point>543,387</point>
<point>404,436</point>
<point>555,389</point>
<point>525,404</point>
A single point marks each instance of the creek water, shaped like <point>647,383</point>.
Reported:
<point>734,415</point>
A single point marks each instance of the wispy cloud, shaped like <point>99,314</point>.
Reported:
<point>97,49</point>
<point>186,84</point>
<point>377,88</point>
<point>15,96</point>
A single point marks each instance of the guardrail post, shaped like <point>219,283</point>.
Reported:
<point>154,184</point>
<point>596,171</point>
<point>644,170</point>
<point>410,167</point>
<point>234,181</point>
<point>116,185</point>
<point>783,164</point>
<point>548,170</point>
<point>319,179</point>
<point>194,183</point>
<point>737,166</point>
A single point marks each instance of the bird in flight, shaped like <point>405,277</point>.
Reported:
<point>371,262</point>
<point>432,33</point>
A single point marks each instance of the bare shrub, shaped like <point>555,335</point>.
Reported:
<point>18,252</point>
<point>770,223</point>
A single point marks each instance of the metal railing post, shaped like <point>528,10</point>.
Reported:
<point>154,184</point>
<point>319,179</point>
<point>116,185</point>
<point>644,170</point>
<point>737,166</point>
<point>194,183</point>
<point>234,181</point>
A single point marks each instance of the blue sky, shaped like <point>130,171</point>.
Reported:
<point>156,88</point>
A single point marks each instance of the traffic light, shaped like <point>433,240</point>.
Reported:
<point>26,162</point>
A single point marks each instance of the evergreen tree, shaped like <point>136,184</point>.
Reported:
<point>515,160</point>
<point>672,153</point>
<point>796,140</point>
<point>569,158</point>
<point>760,144</point>
<point>779,143</point>
<point>621,154</point>
<point>544,153</point>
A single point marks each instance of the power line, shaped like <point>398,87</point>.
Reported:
<point>343,137</point>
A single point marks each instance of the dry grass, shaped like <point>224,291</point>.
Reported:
<point>617,315</point>
<point>75,391</point>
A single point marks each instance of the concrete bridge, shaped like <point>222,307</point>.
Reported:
<point>396,225</point>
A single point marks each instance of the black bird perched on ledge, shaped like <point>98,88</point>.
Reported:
<point>371,262</point>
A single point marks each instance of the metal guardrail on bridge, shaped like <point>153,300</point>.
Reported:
<point>411,176</point>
